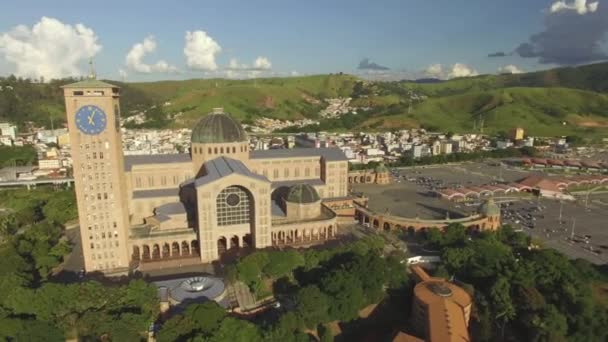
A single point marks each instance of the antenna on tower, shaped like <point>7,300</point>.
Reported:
<point>92,74</point>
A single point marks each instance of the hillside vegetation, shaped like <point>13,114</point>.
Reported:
<point>563,101</point>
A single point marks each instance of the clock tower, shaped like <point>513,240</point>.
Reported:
<point>93,115</point>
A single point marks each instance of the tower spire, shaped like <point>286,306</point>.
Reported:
<point>92,74</point>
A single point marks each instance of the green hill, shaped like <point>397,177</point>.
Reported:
<point>560,101</point>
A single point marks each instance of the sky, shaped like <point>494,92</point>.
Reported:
<point>151,40</point>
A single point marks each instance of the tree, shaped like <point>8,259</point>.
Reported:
<point>282,262</point>
<point>236,330</point>
<point>311,306</point>
<point>345,293</point>
<point>206,317</point>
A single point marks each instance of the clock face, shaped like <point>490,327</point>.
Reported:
<point>91,119</point>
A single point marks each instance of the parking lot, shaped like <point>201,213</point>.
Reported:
<point>410,195</point>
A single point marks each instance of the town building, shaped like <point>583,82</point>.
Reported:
<point>142,209</point>
<point>517,134</point>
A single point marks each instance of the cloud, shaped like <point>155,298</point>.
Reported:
<point>122,73</point>
<point>366,64</point>
<point>200,51</point>
<point>434,70</point>
<point>509,69</point>
<point>259,64</point>
<point>262,63</point>
<point>456,70</point>
<point>134,59</point>
<point>462,70</point>
<point>580,6</point>
<point>497,54</point>
<point>50,48</point>
<point>573,34</point>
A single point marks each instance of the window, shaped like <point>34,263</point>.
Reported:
<point>94,155</point>
<point>233,149</point>
<point>78,93</point>
<point>306,172</point>
<point>209,150</point>
<point>163,180</point>
<point>221,150</point>
<point>150,181</point>
<point>286,173</point>
<point>215,150</point>
<point>276,173</point>
<point>297,172</point>
<point>233,206</point>
<point>101,155</point>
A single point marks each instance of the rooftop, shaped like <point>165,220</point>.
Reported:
<point>132,160</point>
<point>330,154</point>
<point>156,193</point>
<point>218,127</point>
<point>221,167</point>
<point>90,83</point>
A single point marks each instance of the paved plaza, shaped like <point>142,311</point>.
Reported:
<point>410,195</point>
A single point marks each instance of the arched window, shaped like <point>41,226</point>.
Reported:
<point>234,206</point>
<point>222,150</point>
<point>209,150</point>
<point>233,149</point>
<point>215,150</point>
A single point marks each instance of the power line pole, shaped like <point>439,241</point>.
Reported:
<point>573,225</point>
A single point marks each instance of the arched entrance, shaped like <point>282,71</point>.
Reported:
<point>136,254</point>
<point>221,245</point>
<point>146,252</point>
<point>185,248</point>
<point>234,242</point>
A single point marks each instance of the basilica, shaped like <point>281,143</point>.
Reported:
<point>195,206</point>
<point>223,196</point>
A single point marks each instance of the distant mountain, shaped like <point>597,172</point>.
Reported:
<point>560,101</point>
<point>427,80</point>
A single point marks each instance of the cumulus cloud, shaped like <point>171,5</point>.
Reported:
<point>259,64</point>
<point>50,48</point>
<point>497,54</point>
<point>573,34</point>
<point>134,59</point>
<point>262,63</point>
<point>366,64</point>
<point>200,51</point>
<point>580,6</point>
<point>122,73</point>
<point>462,70</point>
<point>456,70</point>
<point>509,69</point>
<point>434,70</point>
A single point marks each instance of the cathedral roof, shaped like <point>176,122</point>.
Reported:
<point>221,167</point>
<point>302,193</point>
<point>218,127</point>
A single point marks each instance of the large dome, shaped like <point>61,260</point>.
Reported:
<point>302,193</point>
<point>218,127</point>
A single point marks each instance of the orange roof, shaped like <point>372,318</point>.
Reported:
<point>420,273</point>
<point>538,182</point>
<point>403,337</point>
<point>446,304</point>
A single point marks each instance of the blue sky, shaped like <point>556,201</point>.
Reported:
<point>307,37</point>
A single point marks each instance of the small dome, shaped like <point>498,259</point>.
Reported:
<point>381,168</point>
<point>218,127</point>
<point>302,193</point>
<point>489,208</point>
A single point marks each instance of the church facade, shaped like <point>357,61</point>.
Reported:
<point>222,195</point>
